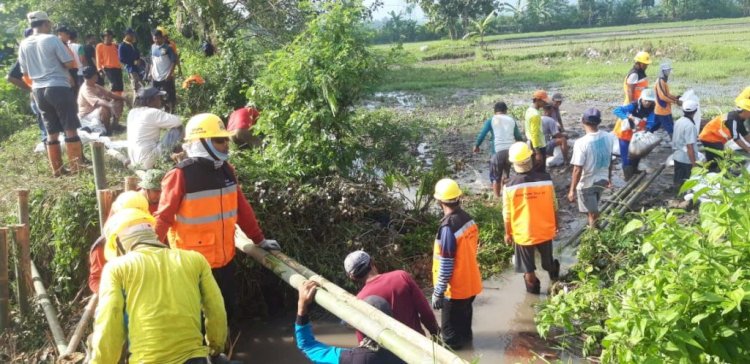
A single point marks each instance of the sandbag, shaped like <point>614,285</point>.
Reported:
<point>642,144</point>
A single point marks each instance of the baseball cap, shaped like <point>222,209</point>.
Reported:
<point>542,95</point>
<point>557,97</point>
<point>36,16</point>
<point>689,105</point>
<point>592,116</point>
<point>152,180</point>
<point>357,264</point>
<point>149,92</point>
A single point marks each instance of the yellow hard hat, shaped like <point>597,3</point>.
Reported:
<point>447,190</point>
<point>519,152</point>
<point>642,57</point>
<point>743,104</point>
<point>118,223</point>
<point>206,126</point>
<point>130,200</point>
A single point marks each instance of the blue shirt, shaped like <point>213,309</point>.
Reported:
<point>314,350</point>
<point>128,54</point>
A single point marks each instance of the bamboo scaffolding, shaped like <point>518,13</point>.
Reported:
<point>385,335</point>
<point>23,206</point>
<point>23,268</point>
<point>104,199</point>
<point>49,311</point>
<point>97,157</point>
<point>4,282</point>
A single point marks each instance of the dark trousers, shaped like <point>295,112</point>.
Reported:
<point>225,278</point>
<point>711,158</point>
<point>114,75</point>
<point>681,174</point>
<point>456,322</point>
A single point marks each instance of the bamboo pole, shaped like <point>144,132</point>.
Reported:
<point>49,311</point>
<point>402,330</point>
<point>331,301</point>
<point>23,206</point>
<point>97,157</point>
<point>80,330</point>
<point>131,183</point>
<point>104,200</point>
<point>23,271</point>
<point>4,282</point>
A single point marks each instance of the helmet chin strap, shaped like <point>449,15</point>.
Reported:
<point>212,151</point>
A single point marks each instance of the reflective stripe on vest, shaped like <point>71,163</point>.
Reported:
<point>715,131</point>
<point>466,281</point>
<point>530,207</point>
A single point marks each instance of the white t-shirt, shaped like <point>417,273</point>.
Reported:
<point>632,78</point>
<point>593,152</point>
<point>144,129</point>
<point>684,134</point>
<point>503,127</point>
<point>43,58</point>
<point>550,128</point>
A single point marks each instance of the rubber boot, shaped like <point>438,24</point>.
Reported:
<point>54,154</point>
<point>627,172</point>
<point>534,287</point>
<point>554,273</point>
<point>75,154</point>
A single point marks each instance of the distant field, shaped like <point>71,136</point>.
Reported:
<point>711,56</point>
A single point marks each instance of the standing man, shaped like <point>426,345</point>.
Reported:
<point>201,204</point>
<point>95,103</point>
<point>592,165</point>
<point>108,63</point>
<point>664,101</point>
<point>64,34</point>
<point>530,195</point>
<point>455,271</point>
<point>77,49</point>
<point>636,80</point>
<point>160,301</point>
<point>405,298</point>
<point>684,144</point>
<point>146,120</point>
<point>633,117</point>
<point>131,58</point>
<point>533,127</point>
<point>722,129</point>
<point>553,137</point>
<point>504,130</point>
<point>23,82</point>
<point>45,60</point>
<point>164,59</point>
<point>557,100</point>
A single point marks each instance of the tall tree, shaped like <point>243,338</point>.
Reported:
<point>455,15</point>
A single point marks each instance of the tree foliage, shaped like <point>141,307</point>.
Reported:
<point>454,15</point>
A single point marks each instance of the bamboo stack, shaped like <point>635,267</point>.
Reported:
<point>4,282</point>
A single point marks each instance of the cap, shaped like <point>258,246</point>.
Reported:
<point>152,180</point>
<point>129,31</point>
<point>28,32</point>
<point>689,105</point>
<point>542,95</point>
<point>108,32</point>
<point>648,95</point>
<point>88,72</point>
<point>36,16</point>
<point>357,264</point>
<point>592,116</point>
<point>380,303</point>
<point>149,92</point>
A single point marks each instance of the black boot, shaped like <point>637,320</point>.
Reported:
<point>554,273</point>
<point>533,287</point>
<point>627,172</point>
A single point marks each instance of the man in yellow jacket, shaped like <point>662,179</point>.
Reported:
<point>153,296</point>
<point>533,128</point>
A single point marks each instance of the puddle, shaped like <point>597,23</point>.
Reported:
<point>395,99</point>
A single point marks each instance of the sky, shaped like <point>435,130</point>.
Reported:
<point>396,6</point>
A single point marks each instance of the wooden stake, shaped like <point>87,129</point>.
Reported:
<point>104,199</point>
<point>4,282</point>
<point>23,268</point>
<point>97,156</point>
<point>131,183</point>
<point>23,206</point>
<point>88,313</point>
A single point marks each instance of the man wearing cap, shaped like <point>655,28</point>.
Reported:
<point>95,103</point>
<point>108,63</point>
<point>504,131</point>
<point>64,33</point>
<point>557,100</point>
<point>169,297</point>
<point>405,298</point>
<point>163,60</point>
<point>530,216</point>
<point>201,204</point>
<point>533,127</point>
<point>23,82</point>
<point>725,128</point>
<point>368,351</point>
<point>145,122</point>
<point>592,167</point>
<point>150,185</point>
<point>553,137</point>
<point>131,58</point>
<point>664,101</point>
<point>45,60</point>
<point>636,81</point>
<point>455,271</point>
<point>684,141</point>
<point>633,117</point>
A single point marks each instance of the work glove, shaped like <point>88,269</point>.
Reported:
<point>269,244</point>
<point>437,302</point>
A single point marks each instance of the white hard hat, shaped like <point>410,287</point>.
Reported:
<point>690,105</point>
<point>648,95</point>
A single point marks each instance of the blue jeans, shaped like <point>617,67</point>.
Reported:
<point>662,121</point>
<point>39,121</point>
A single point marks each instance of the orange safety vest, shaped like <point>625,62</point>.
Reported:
<point>529,208</point>
<point>466,281</point>
<point>627,134</point>
<point>205,221</point>
<point>716,131</point>
<point>663,105</point>
<point>641,85</point>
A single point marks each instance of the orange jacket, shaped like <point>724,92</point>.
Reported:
<point>106,56</point>
<point>466,281</point>
<point>641,85</point>
<point>664,98</point>
<point>716,131</point>
<point>199,207</point>
<point>96,264</point>
<point>529,208</point>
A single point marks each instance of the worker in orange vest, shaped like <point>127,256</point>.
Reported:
<point>631,118</point>
<point>455,271</point>
<point>636,81</point>
<point>664,100</point>
<point>530,216</point>
<point>201,203</point>
<point>722,129</point>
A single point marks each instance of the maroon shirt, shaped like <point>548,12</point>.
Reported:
<point>408,304</point>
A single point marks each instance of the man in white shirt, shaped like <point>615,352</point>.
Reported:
<point>145,122</point>
<point>592,165</point>
<point>684,139</point>
<point>553,137</point>
<point>163,60</point>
